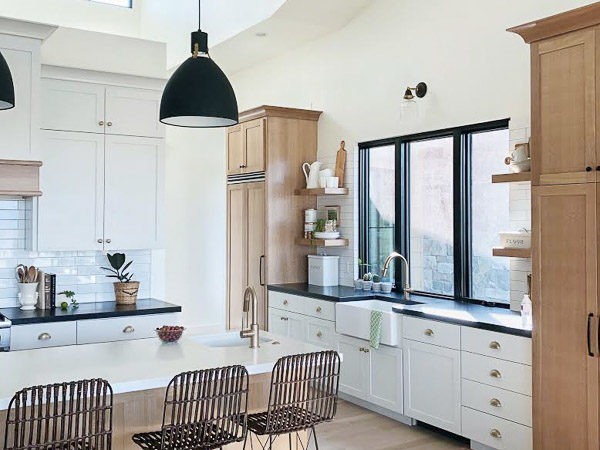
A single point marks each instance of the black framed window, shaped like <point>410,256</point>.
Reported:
<point>429,196</point>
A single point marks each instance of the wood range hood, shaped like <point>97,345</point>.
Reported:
<point>20,178</point>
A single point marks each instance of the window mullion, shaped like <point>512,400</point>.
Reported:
<point>402,202</point>
<point>457,195</point>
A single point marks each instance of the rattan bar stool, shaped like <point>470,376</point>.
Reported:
<point>304,393</point>
<point>64,416</point>
<point>204,410</point>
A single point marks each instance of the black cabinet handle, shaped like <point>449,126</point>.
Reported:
<point>588,169</point>
<point>589,334</point>
<point>260,270</point>
<point>597,167</point>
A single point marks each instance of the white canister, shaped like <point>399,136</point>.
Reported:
<point>516,239</point>
<point>28,296</point>
<point>310,215</point>
<point>323,270</point>
<point>332,182</point>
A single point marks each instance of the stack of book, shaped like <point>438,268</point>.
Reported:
<point>46,290</point>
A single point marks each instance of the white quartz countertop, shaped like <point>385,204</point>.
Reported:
<point>134,365</point>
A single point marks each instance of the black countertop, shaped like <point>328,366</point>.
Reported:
<point>100,310</point>
<point>461,313</point>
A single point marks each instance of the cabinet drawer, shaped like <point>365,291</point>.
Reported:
<point>497,345</point>
<point>286,302</point>
<point>495,432</point>
<point>431,332</point>
<point>497,372</point>
<point>121,328</point>
<point>497,402</point>
<point>320,332</point>
<point>43,335</point>
<point>319,308</point>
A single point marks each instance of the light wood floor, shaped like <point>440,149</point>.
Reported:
<point>355,428</point>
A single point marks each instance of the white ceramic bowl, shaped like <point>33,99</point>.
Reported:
<point>523,166</point>
<point>327,234</point>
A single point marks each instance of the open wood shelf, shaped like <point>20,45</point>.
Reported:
<point>322,242</point>
<point>322,191</point>
<point>511,177</point>
<point>512,252</point>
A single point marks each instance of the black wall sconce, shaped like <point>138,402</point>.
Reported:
<point>420,91</point>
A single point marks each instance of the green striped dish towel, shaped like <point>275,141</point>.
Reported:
<point>375,332</point>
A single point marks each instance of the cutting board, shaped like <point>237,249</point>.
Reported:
<point>340,164</point>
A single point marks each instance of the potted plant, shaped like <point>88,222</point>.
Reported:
<point>64,306</point>
<point>386,286</point>
<point>358,283</point>
<point>126,291</point>
<point>376,283</point>
<point>367,281</point>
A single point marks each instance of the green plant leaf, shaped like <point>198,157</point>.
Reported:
<point>116,260</point>
<point>127,266</point>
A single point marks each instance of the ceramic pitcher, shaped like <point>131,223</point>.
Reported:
<point>311,173</point>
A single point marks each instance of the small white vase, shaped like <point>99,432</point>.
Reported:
<point>28,296</point>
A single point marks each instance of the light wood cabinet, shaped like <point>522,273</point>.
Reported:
<point>245,238</point>
<point>565,293</point>
<point>246,147</point>
<point>96,108</point>
<point>270,143</point>
<point>100,192</point>
<point>565,119</point>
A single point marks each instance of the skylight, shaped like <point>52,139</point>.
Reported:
<point>123,3</point>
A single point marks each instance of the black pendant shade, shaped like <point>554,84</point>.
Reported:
<point>199,95</point>
<point>7,88</point>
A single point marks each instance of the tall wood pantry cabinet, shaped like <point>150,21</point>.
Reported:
<point>565,119</point>
<point>265,152</point>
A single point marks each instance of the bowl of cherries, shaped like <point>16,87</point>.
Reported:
<point>169,333</point>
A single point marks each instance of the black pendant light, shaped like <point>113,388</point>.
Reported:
<point>199,95</point>
<point>7,88</point>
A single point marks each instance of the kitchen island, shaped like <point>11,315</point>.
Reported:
<point>140,370</point>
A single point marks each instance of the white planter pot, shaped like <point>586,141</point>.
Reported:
<point>28,296</point>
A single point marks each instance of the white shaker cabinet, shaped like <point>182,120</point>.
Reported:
<point>432,385</point>
<point>134,191</point>
<point>71,211</point>
<point>17,125</point>
<point>287,324</point>
<point>355,372</point>
<point>100,192</point>
<point>96,108</point>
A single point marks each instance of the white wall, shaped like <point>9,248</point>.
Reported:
<point>195,224</point>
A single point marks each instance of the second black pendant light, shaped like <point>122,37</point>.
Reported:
<point>7,88</point>
<point>199,95</point>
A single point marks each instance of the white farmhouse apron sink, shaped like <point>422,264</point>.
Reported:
<point>354,319</point>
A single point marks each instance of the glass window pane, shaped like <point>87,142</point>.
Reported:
<point>431,216</point>
<point>382,208</point>
<point>490,277</point>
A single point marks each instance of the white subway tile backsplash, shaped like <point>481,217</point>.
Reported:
<point>78,271</point>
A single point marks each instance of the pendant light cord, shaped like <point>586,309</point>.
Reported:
<point>199,14</point>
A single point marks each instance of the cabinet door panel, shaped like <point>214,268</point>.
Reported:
<point>133,112</point>
<point>70,211</point>
<point>16,123</point>
<point>278,324</point>
<point>354,374</point>
<point>564,293</point>
<point>235,150</point>
<point>432,385</point>
<point>256,246</point>
<point>564,137</point>
<point>386,378</point>
<point>297,327</point>
<point>72,106</point>
<point>236,252</point>
<point>134,174</point>
<point>254,145</point>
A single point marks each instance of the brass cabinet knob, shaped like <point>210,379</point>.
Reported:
<point>362,349</point>
<point>285,302</point>
<point>428,332</point>
<point>100,241</point>
<point>101,123</point>
<point>319,309</point>
<point>109,124</point>
<point>44,337</point>
<point>128,329</point>
<point>367,350</point>
<point>495,433</point>
<point>495,345</point>
<point>495,374</point>
<point>319,334</point>
<point>495,403</point>
<point>108,241</point>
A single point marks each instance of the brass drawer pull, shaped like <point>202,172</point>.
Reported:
<point>285,302</point>
<point>366,350</point>
<point>319,309</point>
<point>495,374</point>
<point>428,332</point>
<point>495,403</point>
<point>495,433</point>
<point>495,345</point>
<point>319,334</point>
<point>285,318</point>
<point>128,329</point>
<point>44,337</point>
